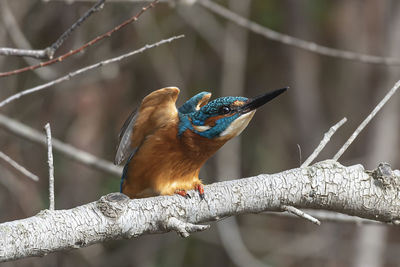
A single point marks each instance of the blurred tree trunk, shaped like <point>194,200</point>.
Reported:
<point>307,100</point>
<point>234,59</point>
<point>304,76</point>
<point>229,159</point>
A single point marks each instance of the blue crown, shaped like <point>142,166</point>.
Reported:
<point>189,116</point>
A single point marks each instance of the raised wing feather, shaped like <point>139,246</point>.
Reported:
<point>156,110</point>
<point>195,103</point>
<point>124,138</point>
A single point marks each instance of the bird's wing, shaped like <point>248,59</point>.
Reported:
<point>156,110</point>
<point>124,138</point>
<point>195,103</point>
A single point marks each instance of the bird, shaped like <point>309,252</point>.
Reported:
<point>166,146</point>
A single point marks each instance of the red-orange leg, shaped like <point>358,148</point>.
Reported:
<point>182,193</point>
<point>200,188</point>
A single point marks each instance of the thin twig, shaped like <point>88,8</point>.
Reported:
<point>322,144</point>
<point>18,167</point>
<point>19,129</point>
<point>300,156</point>
<point>35,53</point>
<point>19,39</point>
<point>75,51</point>
<point>293,41</point>
<point>48,52</point>
<point>333,216</point>
<point>300,213</point>
<point>95,8</point>
<point>328,216</point>
<point>367,120</point>
<point>83,70</point>
<point>51,165</point>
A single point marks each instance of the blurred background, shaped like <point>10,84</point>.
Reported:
<point>221,57</point>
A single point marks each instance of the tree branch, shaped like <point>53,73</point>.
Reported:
<point>325,185</point>
<point>300,214</point>
<point>367,120</point>
<point>75,51</point>
<point>51,165</point>
<point>19,129</point>
<point>35,53</point>
<point>85,69</point>
<point>95,8</point>
<point>293,41</point>
<point>276,36</point>
<point>323,143</point>
<point>18,167</point>
<point>19,39</point>
<point>49,51</point>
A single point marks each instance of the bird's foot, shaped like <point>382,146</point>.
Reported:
<point>182,193</point>
<point>200,188</point>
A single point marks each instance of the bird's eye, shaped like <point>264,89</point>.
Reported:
<point>224,110</point>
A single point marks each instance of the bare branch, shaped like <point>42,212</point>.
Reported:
<point>75,51</point>
<point>300,214</point>
<point>53,48</point>
<point>300,156</point>
<point>325,185</point>
<point>293,41</point>
<point>329,216</point>
<point>83,70</point>
<point>18,167</point>
<point>71,152</point>
<point>48,52</point>
<point>6,51</point>
<point>183,228</point>
<point>19,39</point>
<point>324,141</point>
<point>51,165</point>
<point>367,120</point>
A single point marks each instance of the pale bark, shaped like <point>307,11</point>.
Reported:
<point>325,185</point>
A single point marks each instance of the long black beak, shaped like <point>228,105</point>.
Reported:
<point>258,101</point>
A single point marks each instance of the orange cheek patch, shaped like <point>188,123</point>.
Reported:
<point>238,103</point>
<point>211,121</point>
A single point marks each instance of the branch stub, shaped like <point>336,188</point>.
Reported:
<point>112,205</point>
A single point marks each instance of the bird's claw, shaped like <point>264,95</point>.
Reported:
<point>183,193</point>
<point>200,188</point>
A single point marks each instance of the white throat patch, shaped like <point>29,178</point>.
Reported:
<point>238,125</point>
<point>201,128</point>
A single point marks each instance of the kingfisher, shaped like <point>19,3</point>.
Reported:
<point>166,146</point>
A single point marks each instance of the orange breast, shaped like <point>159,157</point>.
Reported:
<point>165,163</point>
